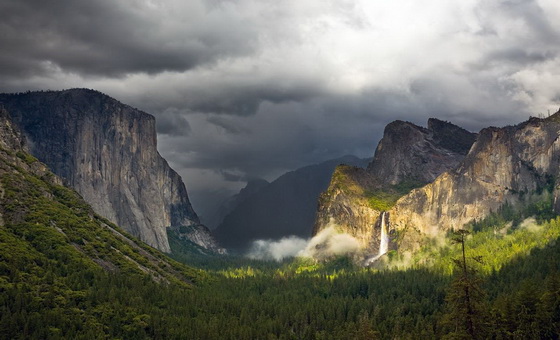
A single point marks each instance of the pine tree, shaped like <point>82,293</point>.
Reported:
<point>364,328</point>
<point>465,316</point>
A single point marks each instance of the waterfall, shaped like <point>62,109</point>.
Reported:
<point>383,241</point>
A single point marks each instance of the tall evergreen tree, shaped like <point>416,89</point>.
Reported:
<point>465,306</point>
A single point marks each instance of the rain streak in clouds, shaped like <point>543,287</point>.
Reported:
<point>245,89</point>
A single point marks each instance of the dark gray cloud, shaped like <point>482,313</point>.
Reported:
<point>228,124</point>
<point>243,89</point>
<point>114,38</point>
<point>172,122</point>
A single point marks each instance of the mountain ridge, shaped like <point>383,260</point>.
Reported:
<point>514,165</point>
<point>282,208</point>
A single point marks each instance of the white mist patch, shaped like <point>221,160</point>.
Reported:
<point>327,243</point>
<point>277,250</point>
<point>530,224</point>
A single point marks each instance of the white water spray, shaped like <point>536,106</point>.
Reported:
<point>383,242</point>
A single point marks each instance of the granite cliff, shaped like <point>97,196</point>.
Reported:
<point>407,157</point>
<point>515,165</point>
<point>44,225</point>
<point>408,152</point>
<point>107,152</point>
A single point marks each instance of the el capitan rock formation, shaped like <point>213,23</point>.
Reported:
<point>107,152</point>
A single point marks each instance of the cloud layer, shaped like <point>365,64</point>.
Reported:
<point>255,88</point>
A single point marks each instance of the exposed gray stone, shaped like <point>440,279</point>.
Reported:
<point>408,155</point>
<point>107,151</point>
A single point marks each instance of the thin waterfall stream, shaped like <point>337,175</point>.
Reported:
<point>383,241</point>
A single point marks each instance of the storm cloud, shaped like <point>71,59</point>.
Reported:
<point>246,89</point>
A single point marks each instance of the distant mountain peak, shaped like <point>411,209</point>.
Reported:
<point>284,207</point>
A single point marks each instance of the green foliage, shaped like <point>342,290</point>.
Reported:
<point>383,200</point>
<point>27,158</point>
<point>496,246</point>
<point>65,273</point>
<point>542,210</point>
<point>466,309</point>
<point>406,186</point>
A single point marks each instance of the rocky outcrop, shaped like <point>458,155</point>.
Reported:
<point>413,153</point>
<point>10,136</point>
<point>200,236</point>
<point>107,152</point>
<point>515,164</point>
<point>345,205</point>
<point>408,156</point>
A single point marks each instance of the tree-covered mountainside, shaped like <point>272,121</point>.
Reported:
<point>514,277</point>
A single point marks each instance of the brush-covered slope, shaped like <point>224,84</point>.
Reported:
<point>66,272</point>
<point>284,207</point>
<point>107,152</point>
<point>408,156</point>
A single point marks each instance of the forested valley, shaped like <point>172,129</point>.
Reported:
<point>51,290</point>
<point>67,273</point>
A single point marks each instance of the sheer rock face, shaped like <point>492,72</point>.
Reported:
<point>511,164</point>
<point>407,154</point>
<point>10,136</point>
<point>345,206</point>
<point>410,152</point>
<point>107,152</point>
<point>516,165</point>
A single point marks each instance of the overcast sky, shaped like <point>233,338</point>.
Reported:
<point>245,89</point>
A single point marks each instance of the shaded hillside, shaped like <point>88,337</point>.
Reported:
<point>107,152</point>
<point>65,271</point>
<point>231,203</point>
<point>284,207</point>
